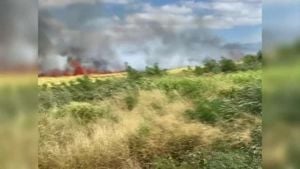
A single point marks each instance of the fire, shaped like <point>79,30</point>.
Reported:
<point>75,69</point>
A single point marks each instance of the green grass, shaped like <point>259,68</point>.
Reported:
<point>170,121</point>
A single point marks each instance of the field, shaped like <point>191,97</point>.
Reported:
<point>174,121</point>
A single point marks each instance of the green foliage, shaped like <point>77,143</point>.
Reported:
<point>212,104</point>
<point>246,99</point>
<point>260,56</point>
<point>83,112</point>
<point>230,159</point>
<point>199,70</point>
<point>227,65</point>
<point>205,111</point>
<point>48,98</point>
<point>251,62</point>
<point>213,159</point>
<point>249,98</point>
<point>191,88</point>
<point>211,66</point>
<point>154,70</point>
<point>131,101</point>
<point>255,148</point>
<point>133,74</point>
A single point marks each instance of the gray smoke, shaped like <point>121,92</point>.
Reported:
<point>82,31</point>
<point>18,33</point>
<point>58,43</point>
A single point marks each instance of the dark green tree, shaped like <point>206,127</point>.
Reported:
<point>227,65</point>
<point>132,74</point>
<point>154,70</point>
<point>211,66</point>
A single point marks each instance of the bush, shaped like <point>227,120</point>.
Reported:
<point>227,65</point>
<point>83,112</point>
<point>131,101</point>
<point>46,100</point>
<point>211,66</point>
<point>199,70</point>
<point>154,70</point>
<point>206,111</point>
<point>250,62</point>
<point>133,74</point>
<point>192,89</point>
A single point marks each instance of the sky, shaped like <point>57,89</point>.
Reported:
<point>173,33</point>
<point>281,23</point>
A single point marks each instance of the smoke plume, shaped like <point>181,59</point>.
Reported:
<point>171,36</point>
<point>18,33</point>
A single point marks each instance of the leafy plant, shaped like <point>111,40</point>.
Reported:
<point>133,74</point>
<point>206,111</point>
<point>131,101</point>
<point>227,65</point>
<point>154,70</point>
<point>83,112</point>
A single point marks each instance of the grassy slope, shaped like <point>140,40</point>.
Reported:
<point>58,80</point>
<point>145,124</point>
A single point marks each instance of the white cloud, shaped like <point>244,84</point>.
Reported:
<point>229,13</point>
<point>168,9</point>
<point>117,1</point>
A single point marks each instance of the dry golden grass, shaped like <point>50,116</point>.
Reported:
<point>106,144</point>
<point>61,79</point>
<point>156,126</point>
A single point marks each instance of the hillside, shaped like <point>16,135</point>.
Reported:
<point>60,79</point>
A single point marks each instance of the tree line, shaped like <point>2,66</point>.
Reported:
<point>226,65</point>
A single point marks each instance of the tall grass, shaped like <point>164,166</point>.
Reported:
<point>153,122</point>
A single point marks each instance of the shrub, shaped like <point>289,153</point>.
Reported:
<point>206,111</point>
<point>46,100</point>
<point>154,70</point>
<point>83,112</point>
<point>250,62</point>
<point>199,70</point>
<point>189,88</point>
<point>131,101</point>
<point>260,56</point>
<point>227,65</point>
<point>211,66</point>
<point>133,74</point>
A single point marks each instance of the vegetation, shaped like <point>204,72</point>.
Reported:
<point>152,119</point>
<point>248,62</point>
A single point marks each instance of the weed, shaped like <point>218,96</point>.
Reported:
<point>83,112</point>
